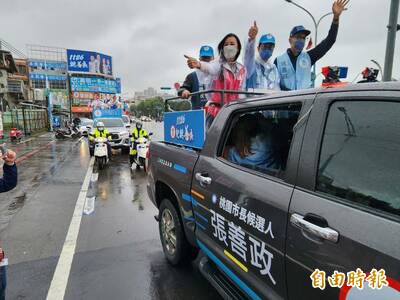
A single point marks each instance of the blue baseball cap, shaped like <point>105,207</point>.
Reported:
<point>298,29</point>
<point>206,51</point>
<point>267,39</point>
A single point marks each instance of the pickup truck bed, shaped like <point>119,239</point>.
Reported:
<point>324,198</point>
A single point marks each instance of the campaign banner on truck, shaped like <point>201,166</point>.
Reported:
<point>107,113</point>
<point>89,62</point>
<point>186,128</point>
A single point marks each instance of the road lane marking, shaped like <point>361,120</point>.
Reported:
<point>95,177</point>
<point>89,205</point>
<point>60,278</point>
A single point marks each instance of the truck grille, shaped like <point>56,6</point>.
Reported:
<point>114,136</point>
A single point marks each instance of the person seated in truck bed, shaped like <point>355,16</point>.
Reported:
<point>252,143</point>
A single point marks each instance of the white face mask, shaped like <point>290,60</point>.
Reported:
<point>230,52</point>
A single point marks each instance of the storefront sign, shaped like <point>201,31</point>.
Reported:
<point>81,109</point>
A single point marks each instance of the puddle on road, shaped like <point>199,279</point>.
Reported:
<point>136,197</point>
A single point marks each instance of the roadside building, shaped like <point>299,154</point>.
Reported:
<point>49,80</point>
<point>7,67</point>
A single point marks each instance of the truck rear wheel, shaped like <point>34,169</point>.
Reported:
<point>176,248</point>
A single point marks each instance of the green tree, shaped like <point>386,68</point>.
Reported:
<point>179,105</point>
<point>152,107</point>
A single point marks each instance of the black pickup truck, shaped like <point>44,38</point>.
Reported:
<point>295,195</point>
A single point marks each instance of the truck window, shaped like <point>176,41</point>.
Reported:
<point>359,159</point>
<point>260,140</point>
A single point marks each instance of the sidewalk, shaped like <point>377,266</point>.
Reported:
<point>30,144</point>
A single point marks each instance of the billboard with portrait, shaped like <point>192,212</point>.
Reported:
<point>89,62</point>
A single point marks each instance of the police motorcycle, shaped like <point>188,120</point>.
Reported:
<point>101,152</point>
<point>141,145</point>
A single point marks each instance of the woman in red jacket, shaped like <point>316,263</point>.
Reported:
<point>227,72</point>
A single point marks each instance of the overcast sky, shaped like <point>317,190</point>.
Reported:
<point>147,39</point>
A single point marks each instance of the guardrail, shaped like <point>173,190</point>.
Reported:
<point>167,107</point>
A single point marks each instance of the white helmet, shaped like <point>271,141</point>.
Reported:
<point>100,126</point>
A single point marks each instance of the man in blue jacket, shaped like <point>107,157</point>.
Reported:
<point>10,174</point>
<point>198,81</point>
<point>294,66</point>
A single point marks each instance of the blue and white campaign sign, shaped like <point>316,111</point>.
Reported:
<point>107,113</point>
<point>185,128</point>
<point>118,85</point>
<point>48,65</point>
<point>38,76</point>
<point>89,62</point>
<point>56,121</point>
<point>96,85</point>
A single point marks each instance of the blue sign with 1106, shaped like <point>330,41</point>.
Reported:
<point>186,128</point>
<point>89,62</point>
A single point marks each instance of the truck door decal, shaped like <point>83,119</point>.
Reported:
<point>180,168</point>
<point>240,242</point>
<point>169,164</point>
<point>236,242</point>
<point>197,194</point>
<point>198,218</point>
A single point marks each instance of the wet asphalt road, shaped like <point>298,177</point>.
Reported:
<point>118,253</point>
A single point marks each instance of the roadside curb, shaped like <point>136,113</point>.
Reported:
<point>32,153</point>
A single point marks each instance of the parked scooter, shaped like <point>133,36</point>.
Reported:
<point>70,132</point>
<point>142,147</point>
<point>100,152</point>
<point>15,135</point>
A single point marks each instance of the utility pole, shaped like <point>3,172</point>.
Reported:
<point>391,40</point>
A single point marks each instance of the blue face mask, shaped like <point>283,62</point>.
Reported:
<point>265,54</point>
<point>299,45</point>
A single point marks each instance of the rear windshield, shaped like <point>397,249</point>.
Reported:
<point>111,122</point>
